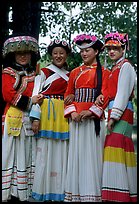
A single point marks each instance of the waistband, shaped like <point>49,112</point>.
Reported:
<point>60,97</point>
<point>85,95</point>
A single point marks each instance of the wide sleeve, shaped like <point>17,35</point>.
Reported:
<point>35,112</point>
<point>38,83</point>
<point>11,96</point>
<point>126,83</point>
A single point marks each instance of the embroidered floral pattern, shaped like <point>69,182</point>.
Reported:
<point>20,43</point>
<point>64,43</point>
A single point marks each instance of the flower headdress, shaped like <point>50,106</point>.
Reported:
<point>83,37</point>
<point>116,39</point>
<point>91,40</point>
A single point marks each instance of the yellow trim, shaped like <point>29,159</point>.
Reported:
<point>14,121</point>
<point>118,155</point>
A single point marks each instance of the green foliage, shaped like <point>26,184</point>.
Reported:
<point>62,19</point>
<point>45,60</point>
<point>74,60</point>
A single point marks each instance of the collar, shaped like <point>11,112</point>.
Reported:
<point>23,69</point>
<point>119,60</point>
<point>94,65</point>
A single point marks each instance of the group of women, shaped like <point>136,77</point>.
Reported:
<point>54,144</point>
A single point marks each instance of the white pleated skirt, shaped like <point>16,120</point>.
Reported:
<point>18,165</point>
<point>50,172</point>
<point>85,160</point>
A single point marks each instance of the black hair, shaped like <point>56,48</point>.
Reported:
<point>79,42</point>
<point>99,75</point>
<point>98,92</point>
<point>8,60</point>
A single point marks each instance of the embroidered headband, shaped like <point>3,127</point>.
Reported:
<point>20,44</point>
<point>58,43</point>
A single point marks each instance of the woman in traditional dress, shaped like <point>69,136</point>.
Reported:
<point>87,123</point>
<point>20,54</point>
<point>51,128</point>
<point>119,170</point>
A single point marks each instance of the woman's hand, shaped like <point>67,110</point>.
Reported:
<point>35,126</point>
<point>85,114</point>
<point>37,99</point>
<point>111,124</point>
<point>99,100</point>
<point>69,99</point>
<point>75,116</point>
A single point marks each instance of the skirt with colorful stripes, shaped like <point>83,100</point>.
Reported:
<point>119,183</point>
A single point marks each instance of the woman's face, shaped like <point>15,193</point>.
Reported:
<point>115,53</point>
<point>23,58</point>
<point>59,56</point>
<point>88,55</point>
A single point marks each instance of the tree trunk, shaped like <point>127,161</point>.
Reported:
<point>4,33</point>
<point>4,23</point>
<point>26,17</point>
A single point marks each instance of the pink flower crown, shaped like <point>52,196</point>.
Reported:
<point>83,37</point>
<point>122,37</point>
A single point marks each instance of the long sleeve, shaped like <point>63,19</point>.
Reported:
<point>35,112</point>
<point>70,87</point>
<point>20,96</point>
<point>82,83</point>
<point>104,89</point>
<point>70,90</point>
<point>126,83</point>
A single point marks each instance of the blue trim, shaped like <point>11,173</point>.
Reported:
<point>50,196</point>
<point>53,135</point>
<point>129,105</point>
<point>34,114</point>
<point>53,107</point>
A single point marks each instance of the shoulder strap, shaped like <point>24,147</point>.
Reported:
<point>61,72</point>
<point>39,80</point>
<point>58,73</point>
